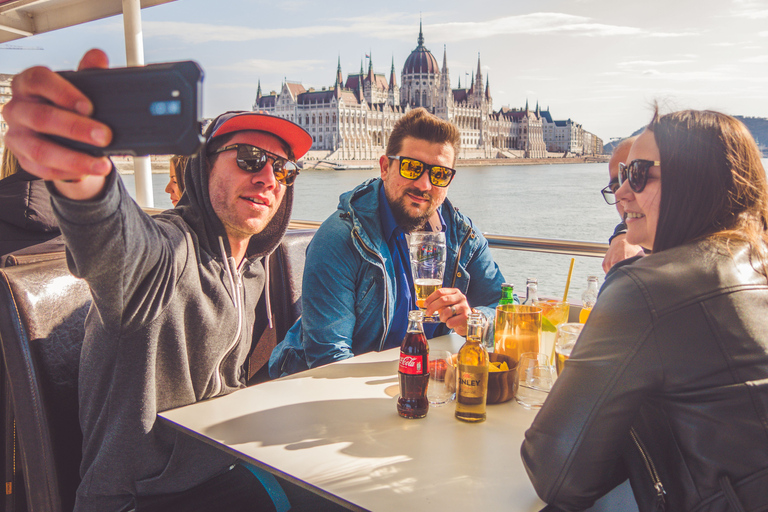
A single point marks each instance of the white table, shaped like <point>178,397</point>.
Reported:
<point>335,430</point>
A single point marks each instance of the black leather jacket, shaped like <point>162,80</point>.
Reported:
<point>676,349</point>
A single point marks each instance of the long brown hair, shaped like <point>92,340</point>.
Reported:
<point>712,181</point>
<point>10,165</point>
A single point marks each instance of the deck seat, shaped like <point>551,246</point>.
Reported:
<point>42,315</point>
<point>286,269</point>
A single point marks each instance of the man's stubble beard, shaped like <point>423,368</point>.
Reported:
<point>405,220</point>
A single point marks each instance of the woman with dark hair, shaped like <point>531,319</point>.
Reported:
<point>175,186</point>
<point>668,383</point>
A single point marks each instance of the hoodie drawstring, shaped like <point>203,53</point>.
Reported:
<point>266,290</point>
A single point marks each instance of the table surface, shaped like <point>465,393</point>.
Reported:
<point>336,431</point>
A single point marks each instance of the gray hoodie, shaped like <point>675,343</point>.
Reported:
<point>172,322</point>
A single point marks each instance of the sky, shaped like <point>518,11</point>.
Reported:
<point>601,63</point>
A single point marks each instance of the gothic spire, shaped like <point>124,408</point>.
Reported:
<point>526,104</point>
<point>339,76</point>
<point>487,88</point>
<point>478,76</point>
<point>370,68</point>
<point>421,34</point>
<point>445,59</point>
<point>258,90</point>
<point>392,75</point>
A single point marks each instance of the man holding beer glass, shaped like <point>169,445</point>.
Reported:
<point>358,286</point>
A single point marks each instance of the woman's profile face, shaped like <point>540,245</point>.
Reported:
<point>641,209</point>
<point>172,187</point>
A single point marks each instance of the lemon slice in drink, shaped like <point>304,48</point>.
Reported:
<point>547,326</point>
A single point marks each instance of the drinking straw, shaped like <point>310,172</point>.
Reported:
<point>568,281</point>
<point>565,296</point>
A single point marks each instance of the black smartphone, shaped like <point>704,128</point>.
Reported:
<point>152,110</point>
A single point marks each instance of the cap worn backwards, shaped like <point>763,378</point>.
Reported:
<point>294,135</point>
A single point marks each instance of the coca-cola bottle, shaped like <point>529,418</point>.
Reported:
<point>414,369</point>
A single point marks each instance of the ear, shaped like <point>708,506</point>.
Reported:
<point>384,165</point>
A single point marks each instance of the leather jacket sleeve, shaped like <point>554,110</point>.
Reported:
<point>573,450</point>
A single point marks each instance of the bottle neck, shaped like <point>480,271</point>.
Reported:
<point>475,327</point>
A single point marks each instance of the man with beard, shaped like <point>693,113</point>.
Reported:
<point>358,287</point>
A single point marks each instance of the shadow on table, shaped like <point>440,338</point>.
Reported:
<point>321,423</point>
<point>345,370</point>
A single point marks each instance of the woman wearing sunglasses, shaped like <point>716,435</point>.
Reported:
<point>668,383</point>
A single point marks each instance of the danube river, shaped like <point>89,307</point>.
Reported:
<point>560,201</point>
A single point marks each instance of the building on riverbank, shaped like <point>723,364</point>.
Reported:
<point>352,119</point>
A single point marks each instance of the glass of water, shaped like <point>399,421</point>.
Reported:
<point>442,386</point>
<point>534,378</point>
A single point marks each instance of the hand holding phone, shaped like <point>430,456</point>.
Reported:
<point>44,104</point>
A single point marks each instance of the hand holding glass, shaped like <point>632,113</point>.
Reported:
<point>427,251</point>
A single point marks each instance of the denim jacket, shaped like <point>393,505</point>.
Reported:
<point>348,292</point>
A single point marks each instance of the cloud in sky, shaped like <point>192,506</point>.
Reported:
<point>274,66</point>
<point>759,59</point>
<point>387,27</point>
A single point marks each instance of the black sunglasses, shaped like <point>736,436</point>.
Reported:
<point>412,169</point>
<point>609,191</point>
<point>253,159</point>
<point>636,172</point>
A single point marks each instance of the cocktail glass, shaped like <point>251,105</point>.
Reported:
<point>553,313</point>
<point>427,251</point>
<point>567,334</point>
<point>517,330</point>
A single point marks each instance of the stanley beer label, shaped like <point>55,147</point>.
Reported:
<point>473,381</point>
<point>413,365</point>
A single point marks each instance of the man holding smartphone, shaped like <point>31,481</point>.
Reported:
<point>175,296</point>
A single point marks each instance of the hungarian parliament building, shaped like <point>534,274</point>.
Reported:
<point>352,119</point>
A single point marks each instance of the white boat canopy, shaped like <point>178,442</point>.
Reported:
<point>24,18</point>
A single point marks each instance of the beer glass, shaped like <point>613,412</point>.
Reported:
<point>533,380</point>
<point>517,330</point>
<point>567,334</point>
<point>427,251</point>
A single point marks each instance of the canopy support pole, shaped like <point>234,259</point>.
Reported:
<point>134,53</point>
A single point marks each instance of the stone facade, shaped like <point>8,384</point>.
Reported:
<point>352,119</point>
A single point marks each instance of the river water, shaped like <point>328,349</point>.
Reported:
<point>561,201</point>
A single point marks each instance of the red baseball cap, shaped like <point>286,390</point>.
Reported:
<point>294,135</point>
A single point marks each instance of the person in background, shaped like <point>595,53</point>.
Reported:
<point>668,383</point>
<point>175,186</point>
<point>619,249</point>
<point>175,297</point>
<point>26,216</point>
<point>358,288</point>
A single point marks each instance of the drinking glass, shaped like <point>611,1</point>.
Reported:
<point>553,313</point>
<point>427,251</point>
<point>534,378</point>
<point>441,389</point>
<point>567,334</point>
<point>517,330</point>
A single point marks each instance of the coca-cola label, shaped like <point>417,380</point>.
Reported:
<point>413,365</point>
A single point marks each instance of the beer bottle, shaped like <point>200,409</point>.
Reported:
<point>472,367</point>
<point>531,291</point>
<point>588,299</point>
<point>507,294</point>
<point>413,371</point>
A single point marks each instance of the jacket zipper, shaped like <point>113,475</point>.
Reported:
<point>458,258</point>
<point>386,288</point>
<point>657,485</point>
<point>237,291</point>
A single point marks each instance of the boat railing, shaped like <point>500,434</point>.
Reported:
<point>516,243</point>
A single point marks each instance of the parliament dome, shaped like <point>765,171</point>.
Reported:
<point>421,60</point>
